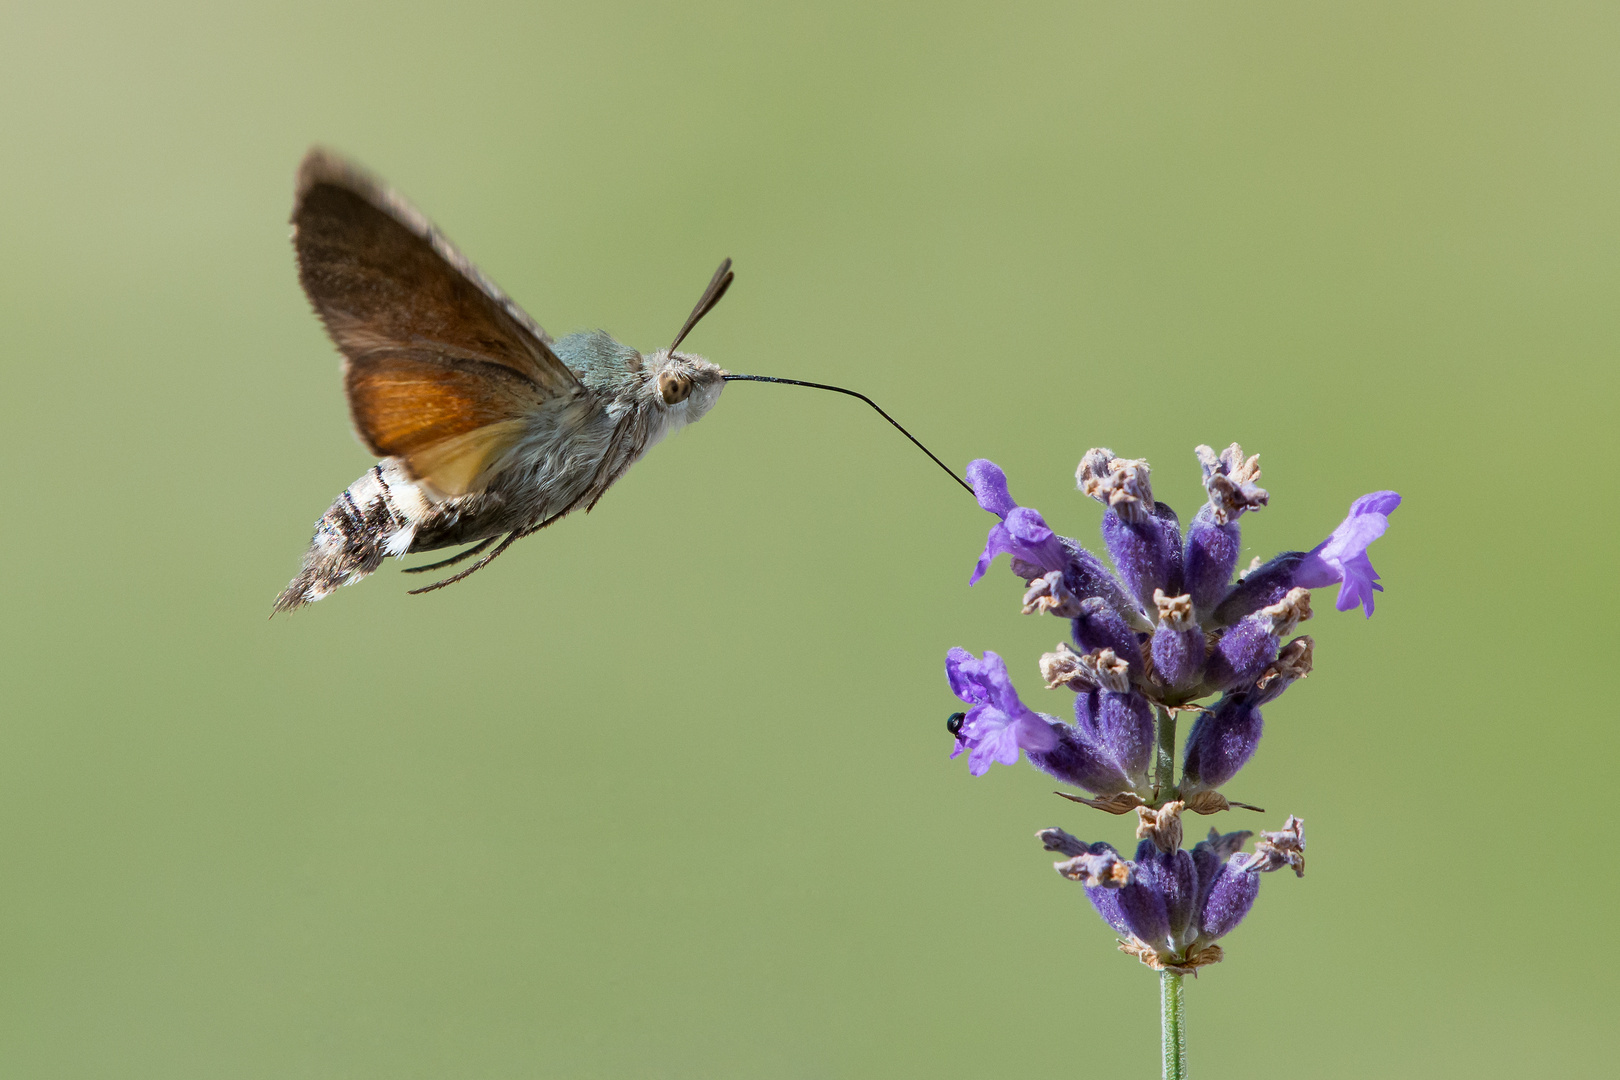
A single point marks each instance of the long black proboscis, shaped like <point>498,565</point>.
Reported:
<point>841,390</point>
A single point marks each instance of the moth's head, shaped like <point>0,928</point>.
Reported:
<point>683,385</point>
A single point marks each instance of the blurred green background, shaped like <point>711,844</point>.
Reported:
<point>664,793</point>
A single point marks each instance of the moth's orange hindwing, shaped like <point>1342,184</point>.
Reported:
<point>450,420</point>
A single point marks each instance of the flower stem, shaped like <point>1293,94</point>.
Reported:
<point>1172,1025</point>
<point>1164,768</point>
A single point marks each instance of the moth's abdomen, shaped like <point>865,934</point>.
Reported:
<point>377,516</point>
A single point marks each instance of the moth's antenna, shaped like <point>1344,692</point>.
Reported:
<point>711,296</point>
<point>840,390</point>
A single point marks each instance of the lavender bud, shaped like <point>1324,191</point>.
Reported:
<point>1145,547</point>
<point>1125,722</point>
<point>1178,643</point>
<point>1209,857</point>
<point>1170,527</point>
<point>1142,905</point>
<point>1099,626</point>
<point>1221,742</point>
<point>1228,900</point>
<point>1211,556</point>
<point>1241,655</point>
<point>1087,576</point>
<point>1214,539</point>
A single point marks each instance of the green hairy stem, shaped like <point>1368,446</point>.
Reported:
<point>1172,1016</point>
<point>1164,766</point>
<point>1172,1023</point>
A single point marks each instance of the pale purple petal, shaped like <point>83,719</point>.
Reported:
<point>1360,582</point>
<point>962,671</point>
<point>1023,535</point>
<point>990,486</point>
<point>1035,734</point>
<point>998,745</point>
<point>997,543</point>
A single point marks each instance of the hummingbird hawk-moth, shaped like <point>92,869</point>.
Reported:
<point>486,426</point>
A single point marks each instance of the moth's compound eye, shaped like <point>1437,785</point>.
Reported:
<point>673,388</point>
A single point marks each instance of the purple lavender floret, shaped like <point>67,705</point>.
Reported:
<point>998,725</point>
<point>1035,549</point>
<point>1023,534</point>
<point>1340,559</point>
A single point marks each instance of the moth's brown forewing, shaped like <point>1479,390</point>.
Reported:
<point>434,352</point>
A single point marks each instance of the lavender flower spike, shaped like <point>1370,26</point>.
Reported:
<point>999,725</point>
<point>1166,626</point>
<point>1342,557</point>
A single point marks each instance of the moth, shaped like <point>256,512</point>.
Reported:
<point>486,427</point>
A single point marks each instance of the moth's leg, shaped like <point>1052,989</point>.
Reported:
<point>473,569</point>
<point>515,534</point>
<point>452,560</point>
